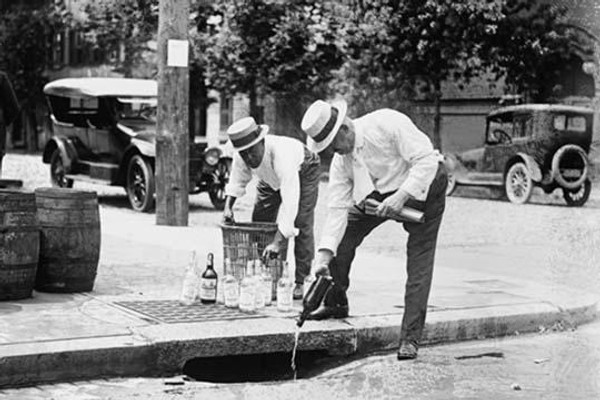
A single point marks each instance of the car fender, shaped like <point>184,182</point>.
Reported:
<point>66,148</point>
<point>147,149</point>
<point>455,167</point>
<point>532,166</point>
<point>227,149</point>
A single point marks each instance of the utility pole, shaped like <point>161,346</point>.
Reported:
<point>172,142</point>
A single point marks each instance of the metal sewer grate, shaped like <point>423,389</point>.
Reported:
<point>172,312</point>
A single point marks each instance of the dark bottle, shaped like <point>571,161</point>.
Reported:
<point>314,296</point>
<point>208,283</point>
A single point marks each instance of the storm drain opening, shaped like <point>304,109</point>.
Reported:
<point>260,367</point>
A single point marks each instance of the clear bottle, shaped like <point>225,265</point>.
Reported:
<point>231,291</point>
<point>259,298</point>
<point>191,282</point>
<point>285,290</point>
<point>208,283</point>
<point>247,291</point>
<point>267,282</point>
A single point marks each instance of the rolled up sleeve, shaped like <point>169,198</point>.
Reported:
<point>415,147</point>
<point>290,198</point>
<point>339,201</point>
<point>239,178</point>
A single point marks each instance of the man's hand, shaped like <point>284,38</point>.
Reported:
<point>322,260</point>
<point>392,204</point>
<point>272,250</point>
<point>228,216</point>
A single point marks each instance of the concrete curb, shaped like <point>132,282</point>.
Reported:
<point>163,349</point>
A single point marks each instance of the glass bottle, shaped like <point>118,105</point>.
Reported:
<point>231,290</point>
<point>208,283</point>
<point>191,282</point>
<point>308,281</point>
<point>285,290</point>
<point>259,298</point>
<point>247,291</point>
<point>267,282</point>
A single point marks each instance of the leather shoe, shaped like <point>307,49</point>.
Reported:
<point>407,351</point>
<point>327,312</point>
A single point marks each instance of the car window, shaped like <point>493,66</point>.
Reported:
<point>500,129</point>
<point>572,123</point>
<point>137,110</point>
<point>523,126</point>
<point>576,123</point>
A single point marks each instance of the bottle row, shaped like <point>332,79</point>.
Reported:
<point>250,291</point>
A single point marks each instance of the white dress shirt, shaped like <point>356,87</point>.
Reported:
<point>390,153</point>
<point>279,169</point>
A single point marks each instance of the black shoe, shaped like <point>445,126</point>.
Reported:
<point>327,312</point>
<point>407,351</point>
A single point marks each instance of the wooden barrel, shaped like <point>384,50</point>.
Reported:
<point>19,244</point>
<point>69,240</point>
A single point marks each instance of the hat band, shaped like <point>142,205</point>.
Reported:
<point>245,140</point>
<point>319,137</point>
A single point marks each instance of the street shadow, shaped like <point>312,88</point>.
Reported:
<point>539,197</point>
<point>122,202</point>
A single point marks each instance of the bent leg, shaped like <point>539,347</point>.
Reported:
<point>359,226</point>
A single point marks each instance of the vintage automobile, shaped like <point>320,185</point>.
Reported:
<point>529,145</point>
<point>104,132</point>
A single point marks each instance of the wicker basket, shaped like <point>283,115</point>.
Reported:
<point>243,242</point>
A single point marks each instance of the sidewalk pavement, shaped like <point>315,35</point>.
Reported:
<point>61,337</point>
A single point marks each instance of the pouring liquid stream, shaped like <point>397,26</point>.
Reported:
<point>293,363</point>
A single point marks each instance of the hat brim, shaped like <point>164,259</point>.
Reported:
<point>318,147</point>
<point>264,129</point>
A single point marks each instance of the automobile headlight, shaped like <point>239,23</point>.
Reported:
<point>211,157</point>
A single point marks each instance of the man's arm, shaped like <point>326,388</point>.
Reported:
<point>340,200</point>
<point>414,146</point>
<point>236,187</point>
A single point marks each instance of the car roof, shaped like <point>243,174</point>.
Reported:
<point>102,87</point>
<point>541,107</point>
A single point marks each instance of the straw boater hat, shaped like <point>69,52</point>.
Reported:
<point>245,133</point>
<point>321,122</point>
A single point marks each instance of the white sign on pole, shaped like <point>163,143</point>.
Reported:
<point>177,53</point>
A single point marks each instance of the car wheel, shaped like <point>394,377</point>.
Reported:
<point>216,192</point>
<point>578,197</point>
<point>140,184</point>
<point>518,184</point>
<point>58,171</point>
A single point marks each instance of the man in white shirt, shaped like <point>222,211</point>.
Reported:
<point>383,156</point>
<point>287,188</point>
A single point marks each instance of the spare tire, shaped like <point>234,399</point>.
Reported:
<point>570,166</point>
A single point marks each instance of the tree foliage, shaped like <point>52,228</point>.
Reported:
<point>531,46</point>
<point>268,47</point>
<point>25,46</point>
<point>123,29</point>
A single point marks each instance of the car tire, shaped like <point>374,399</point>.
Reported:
<point>579,196</point>
<point>570,153</point>
<point>140,185</point>
<point>518,183</point>
<point>57,171</point>
<point>216,192</point>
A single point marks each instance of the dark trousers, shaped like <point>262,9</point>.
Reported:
<point>267,205</point>
<point>420,254</point>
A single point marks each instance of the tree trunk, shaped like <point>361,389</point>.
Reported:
<point>289,110</point>
<point>437,117</point>
<point>255,112</point>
